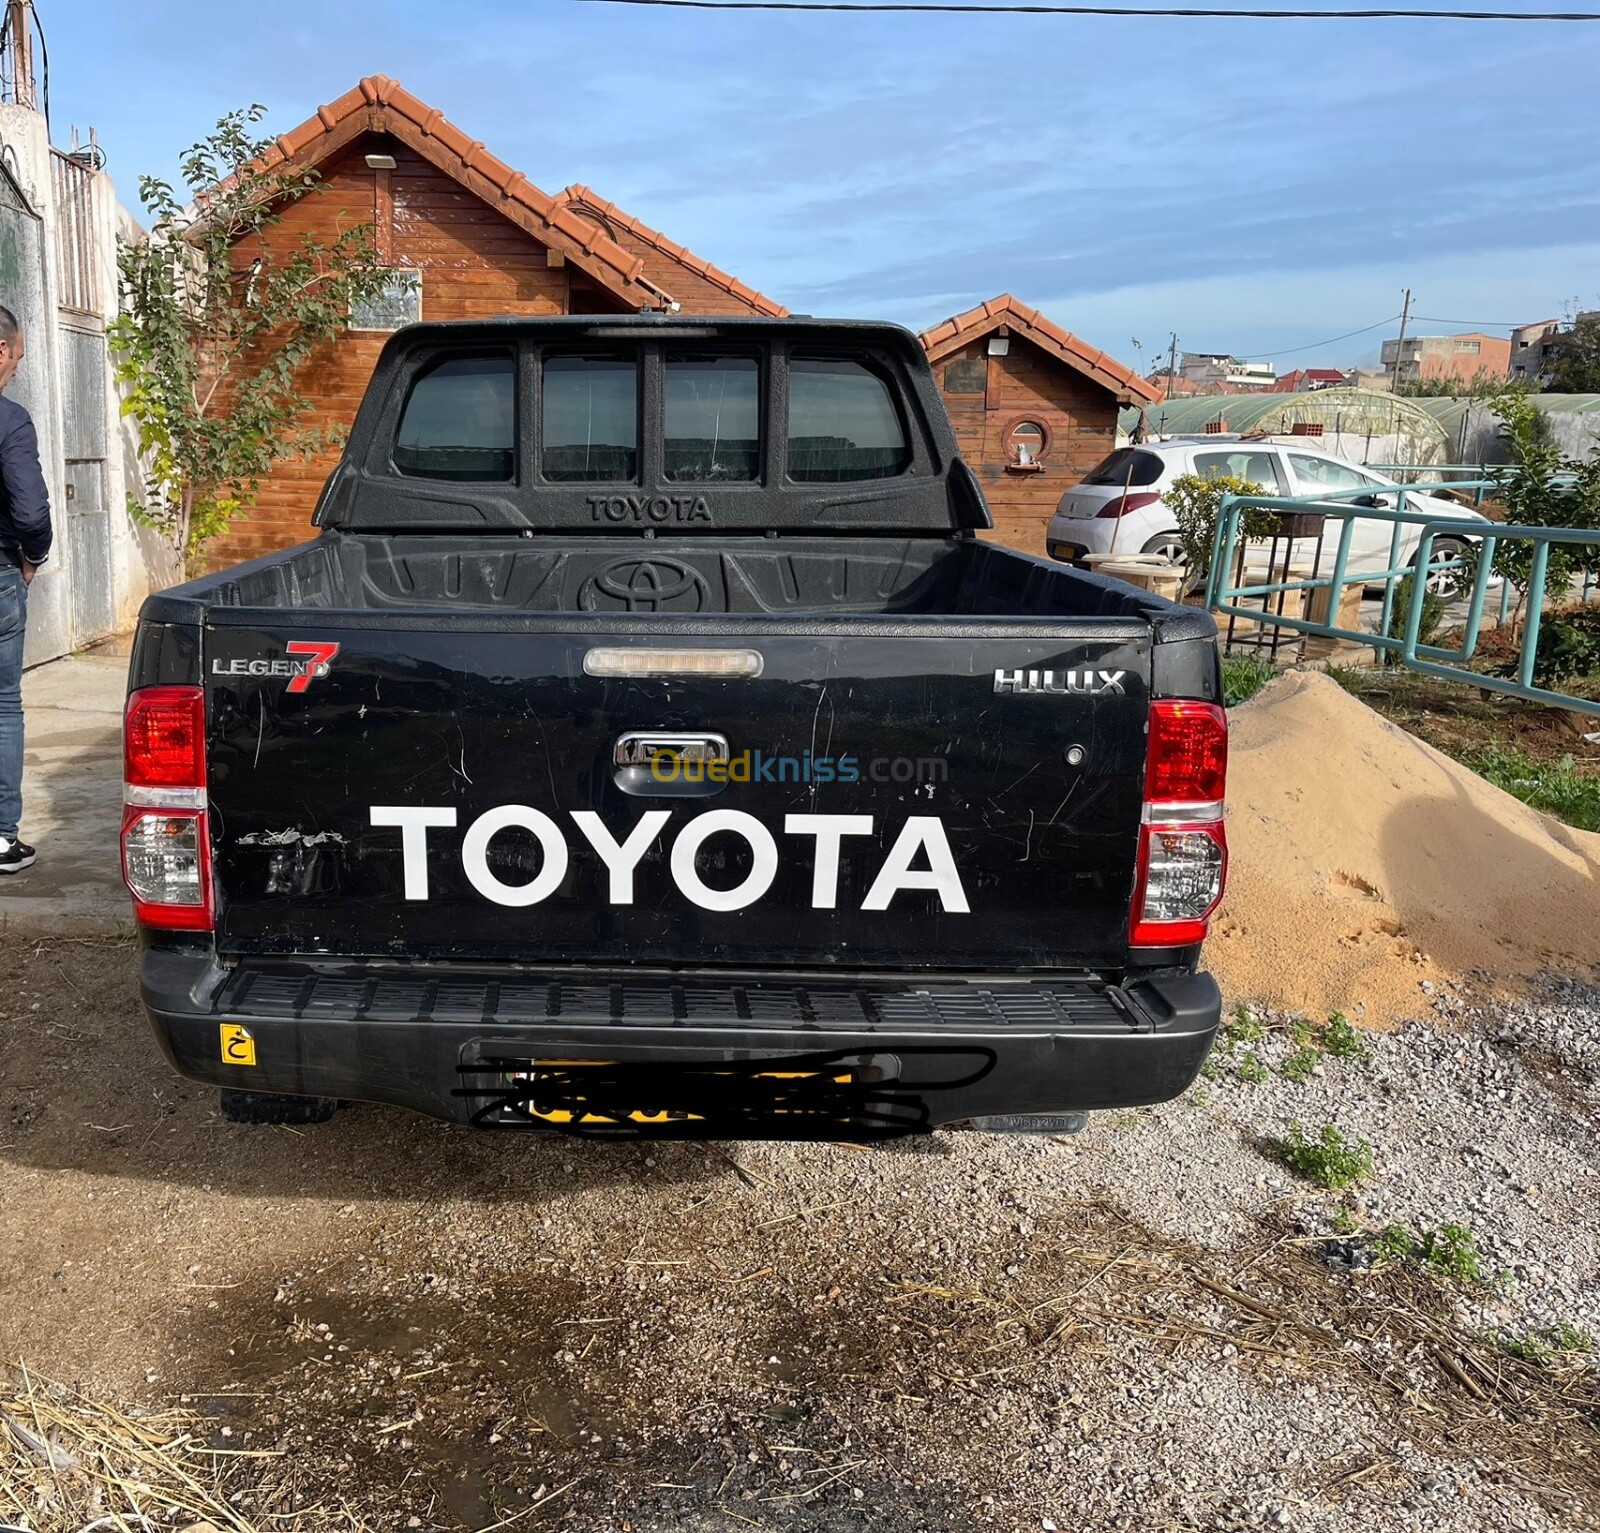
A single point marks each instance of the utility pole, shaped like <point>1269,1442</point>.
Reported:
<point>1400,345</point>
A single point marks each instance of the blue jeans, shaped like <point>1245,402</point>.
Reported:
<point>13,623</point>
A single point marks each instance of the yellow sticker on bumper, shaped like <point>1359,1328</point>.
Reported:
<point>238,1045</point>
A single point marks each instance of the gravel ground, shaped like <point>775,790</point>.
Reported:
<point>1152,1325</point>
<point>1484,1118</point>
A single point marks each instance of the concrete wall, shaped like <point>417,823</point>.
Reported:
<point>1479,436</point>
<point>129,561</point>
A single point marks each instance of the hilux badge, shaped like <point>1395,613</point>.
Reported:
<point>1081,682</point>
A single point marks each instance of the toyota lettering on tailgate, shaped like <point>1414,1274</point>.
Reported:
<point>921,837</point>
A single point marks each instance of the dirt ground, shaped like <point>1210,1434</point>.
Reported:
<point>418,1326</point>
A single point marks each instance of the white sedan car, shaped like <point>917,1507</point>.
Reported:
<point>1120,508</point>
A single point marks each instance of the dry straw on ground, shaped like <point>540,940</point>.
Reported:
<point>69,1464</point>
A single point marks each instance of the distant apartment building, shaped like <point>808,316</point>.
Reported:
<point>1531,351</point>
<point>1218,370</point>
<point>1458,358</point>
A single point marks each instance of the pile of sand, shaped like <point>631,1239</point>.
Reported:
<point>1364,862</point>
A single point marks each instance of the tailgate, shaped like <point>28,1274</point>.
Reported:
<point>952,793</point>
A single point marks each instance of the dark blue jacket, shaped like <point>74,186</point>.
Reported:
<point>24,499</point>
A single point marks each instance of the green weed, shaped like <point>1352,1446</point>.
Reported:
<point>1300,1065</point>
<point>1394,1243</point>
<point>1328,1160</point>
<point>1243,676</point>
<point>1548,1341</point>
<point>1243,1026</point>
<point>1249,1068</point>
<point>1552,787</point>
<point>1341,1039</point>
<point>1450,1252</point>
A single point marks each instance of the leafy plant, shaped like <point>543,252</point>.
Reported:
<point>1242,1025</point>
<point>1196,502</point>
<point>1341,1039</point>
<point>1243,676</point>
<point>1576,369</point>
<point>1300,1065</point>
<point>1328,1160</point>
<point>1565,649</point>
<point>1450,1252</point>
<point>1393,1243</point>
<point>1539,488</point>
<point>1434,606</point>
<point>1250,1069</point>
<point>221,313</point>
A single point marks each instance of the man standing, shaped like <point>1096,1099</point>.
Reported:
<point>24,546</point>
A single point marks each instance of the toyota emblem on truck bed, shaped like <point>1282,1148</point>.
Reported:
<point>645,585</point>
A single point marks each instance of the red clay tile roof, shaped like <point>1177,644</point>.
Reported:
<point>381,105</point>
<point>586,200</point>
<point>955,333</point>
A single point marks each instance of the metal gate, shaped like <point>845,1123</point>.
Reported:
<point>88,517</point>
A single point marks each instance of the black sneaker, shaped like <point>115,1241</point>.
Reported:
<point>15,856</point>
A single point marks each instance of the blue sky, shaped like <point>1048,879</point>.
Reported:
<point>1253,185</point>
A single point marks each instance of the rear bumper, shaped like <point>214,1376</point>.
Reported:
<point>721,1052</point>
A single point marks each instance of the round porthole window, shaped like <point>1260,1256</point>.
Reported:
<point>1026,443</point>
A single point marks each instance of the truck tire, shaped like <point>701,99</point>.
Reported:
<point>269,1107</point>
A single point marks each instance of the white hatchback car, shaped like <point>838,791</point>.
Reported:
<point>1120,508</point>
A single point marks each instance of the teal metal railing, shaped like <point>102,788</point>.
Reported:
<point>1232,591</point>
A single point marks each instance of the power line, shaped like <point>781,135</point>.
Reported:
<point>1333,340</point>
<point>873,6</point>
<point>1480,324</point>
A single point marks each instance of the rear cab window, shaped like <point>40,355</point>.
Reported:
<point>460,420</point>
<point>1126,466</point>
<point>843,424</point>
<point>711,419</point>
<point>590,425</point>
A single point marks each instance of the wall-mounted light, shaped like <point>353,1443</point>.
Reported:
<point>999,345</point>
<point>380,162</point>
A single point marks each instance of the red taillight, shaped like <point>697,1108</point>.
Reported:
<point>166,853</point>
<point>164,738</point>
<point>1183,849</point>
<point>1188,754</point>
<point>1125,503</point>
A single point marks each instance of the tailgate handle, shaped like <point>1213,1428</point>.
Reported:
<point>669,763</point>
<point>639,747</point>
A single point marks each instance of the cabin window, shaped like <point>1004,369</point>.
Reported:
<point>712,429</point>
<point>396,304</point>
<point>591,419</point>
<point>968,375</point>
<point>460,420</point>
<point>843,424</point>
<point>1025,443</point>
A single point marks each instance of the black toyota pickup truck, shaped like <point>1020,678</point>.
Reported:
<point>647,744</point>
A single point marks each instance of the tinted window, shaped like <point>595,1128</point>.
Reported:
<point>1114,470</point>
<point>460,421</point>
<point>842,423</point>
<point>591,418</point>
<point>713,414</point>
<point>1240,463</point>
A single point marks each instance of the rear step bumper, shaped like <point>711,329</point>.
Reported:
<point>758,1056</point>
